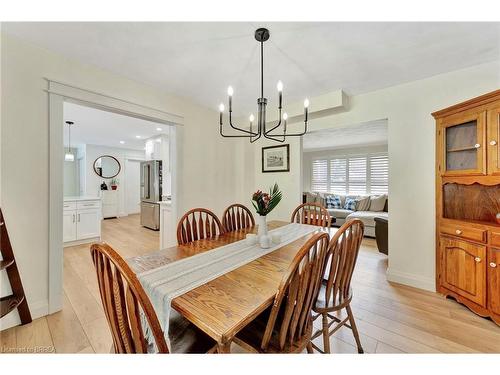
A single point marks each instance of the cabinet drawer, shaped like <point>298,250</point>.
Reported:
<point>88,204</point>
<point>463,231</point>
<point>69,206</point>
<point>495,238</point>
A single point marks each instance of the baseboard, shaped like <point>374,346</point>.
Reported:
<point>82,242</point>
<point>37,309</point>
<point>410,279</point>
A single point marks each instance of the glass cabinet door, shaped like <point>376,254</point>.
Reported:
<point>493,140</point>
<point>464,151</point>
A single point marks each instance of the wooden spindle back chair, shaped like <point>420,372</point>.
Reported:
<point>123,299</point>
<point>289,325</point>
<point>336,293</point>
<point>237,217</point>
<point>198,224</point>
<point>313,214</point>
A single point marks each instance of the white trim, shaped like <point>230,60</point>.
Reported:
<point>413,280</point>
<point>56,197</point>
<point>101,100</point>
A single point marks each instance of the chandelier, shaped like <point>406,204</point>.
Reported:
<point>274,132</point>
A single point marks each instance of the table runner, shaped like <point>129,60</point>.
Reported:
<point>167,282</point>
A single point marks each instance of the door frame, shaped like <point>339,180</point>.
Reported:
<point>125,174</point>
<point>58,93</point>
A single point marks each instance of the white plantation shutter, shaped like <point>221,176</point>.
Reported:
<point>379,173</point>
<point>357,175</point>
<point>352,174</point>
<point>319,175</point>
<point>338,175</point>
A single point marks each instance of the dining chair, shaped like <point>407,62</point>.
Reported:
<point>335,293</point>
<point>313,214</point>
<point>287,326</point>
<point>197,224</point>
<point>237,217</point>
<point>125,301</point>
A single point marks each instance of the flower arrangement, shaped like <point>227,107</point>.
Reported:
<point>264,203</point>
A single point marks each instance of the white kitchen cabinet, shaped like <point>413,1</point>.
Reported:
<point>88,224</point>
<point>69,226</point>
<point>109,203</point>
<point>81,220</point>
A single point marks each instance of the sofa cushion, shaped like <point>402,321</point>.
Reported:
<point>339,213</point>
<point>367,217</point>
<point>363,203</point>
<point>333,201</point>
<point>350,204</point>
<point>377,202</point>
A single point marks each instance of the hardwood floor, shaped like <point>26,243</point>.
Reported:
<point>391,318</point>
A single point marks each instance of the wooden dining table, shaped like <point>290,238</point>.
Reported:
<point>225,305</point>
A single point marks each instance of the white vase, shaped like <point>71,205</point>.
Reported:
<point>262,222</point>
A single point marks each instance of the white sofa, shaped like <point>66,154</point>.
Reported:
<point>341,215</point>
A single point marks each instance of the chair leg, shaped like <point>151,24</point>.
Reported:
<point>354,329</point>
<point>326,334</point>
<point>310,348</point>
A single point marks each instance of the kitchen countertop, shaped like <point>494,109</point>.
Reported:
<point>81,198</point>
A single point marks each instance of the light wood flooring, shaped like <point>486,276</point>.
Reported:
<point>391,318</point>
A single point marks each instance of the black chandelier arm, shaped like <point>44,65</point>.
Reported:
<point>234,136</point>
<point>276,126</point>
<point>288,134</point>
<point>256,138</point>
<point>252,134</point>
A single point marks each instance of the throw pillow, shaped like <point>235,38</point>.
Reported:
<point>377,202</point>
<point>333,201</point>
<point>350,204</point>
<point>363,204</point>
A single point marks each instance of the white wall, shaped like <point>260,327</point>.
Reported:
<point>308,156</point>
<point>206,177</point>
<point>411,142</point>
<point>93,181</point>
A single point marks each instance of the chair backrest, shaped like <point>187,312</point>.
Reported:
<point>297,293</point>
<point>313,214</point>
<point>124,300</point>
<point>342,255</point>
<point>236,217</point>
<point>197,224</point>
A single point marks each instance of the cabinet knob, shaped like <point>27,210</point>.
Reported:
<point>477,259</point>
<point>493,143</point>
<point>458,231</point>
<point>477,145</point>
<point>493,265</point>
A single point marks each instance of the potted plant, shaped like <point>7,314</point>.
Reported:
<point>264,203</point>
<point>114,183</point>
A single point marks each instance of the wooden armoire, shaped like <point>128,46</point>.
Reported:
<point>468,203</point>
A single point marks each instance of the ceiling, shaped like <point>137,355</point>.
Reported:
<point>97,127</point>
<point>199,60</point>
<point>358,135</point>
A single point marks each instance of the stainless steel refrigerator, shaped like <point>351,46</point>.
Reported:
<point>151,192</point>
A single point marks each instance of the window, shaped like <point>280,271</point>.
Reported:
<point>351,174</point>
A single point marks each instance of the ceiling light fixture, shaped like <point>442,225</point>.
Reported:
<point>138,136</point>
<point>122,142</point>
<point>261,35</point>
<point>69,156</point>
<point>159,129</point>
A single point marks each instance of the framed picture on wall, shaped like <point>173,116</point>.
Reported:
<point>276,159</point>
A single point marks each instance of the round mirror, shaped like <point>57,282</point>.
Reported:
<point>107,166</point>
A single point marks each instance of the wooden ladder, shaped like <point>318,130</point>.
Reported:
<point>17,299</point>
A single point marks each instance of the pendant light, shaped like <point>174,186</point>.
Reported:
<point>69,156</point>
<point>261,129</point>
